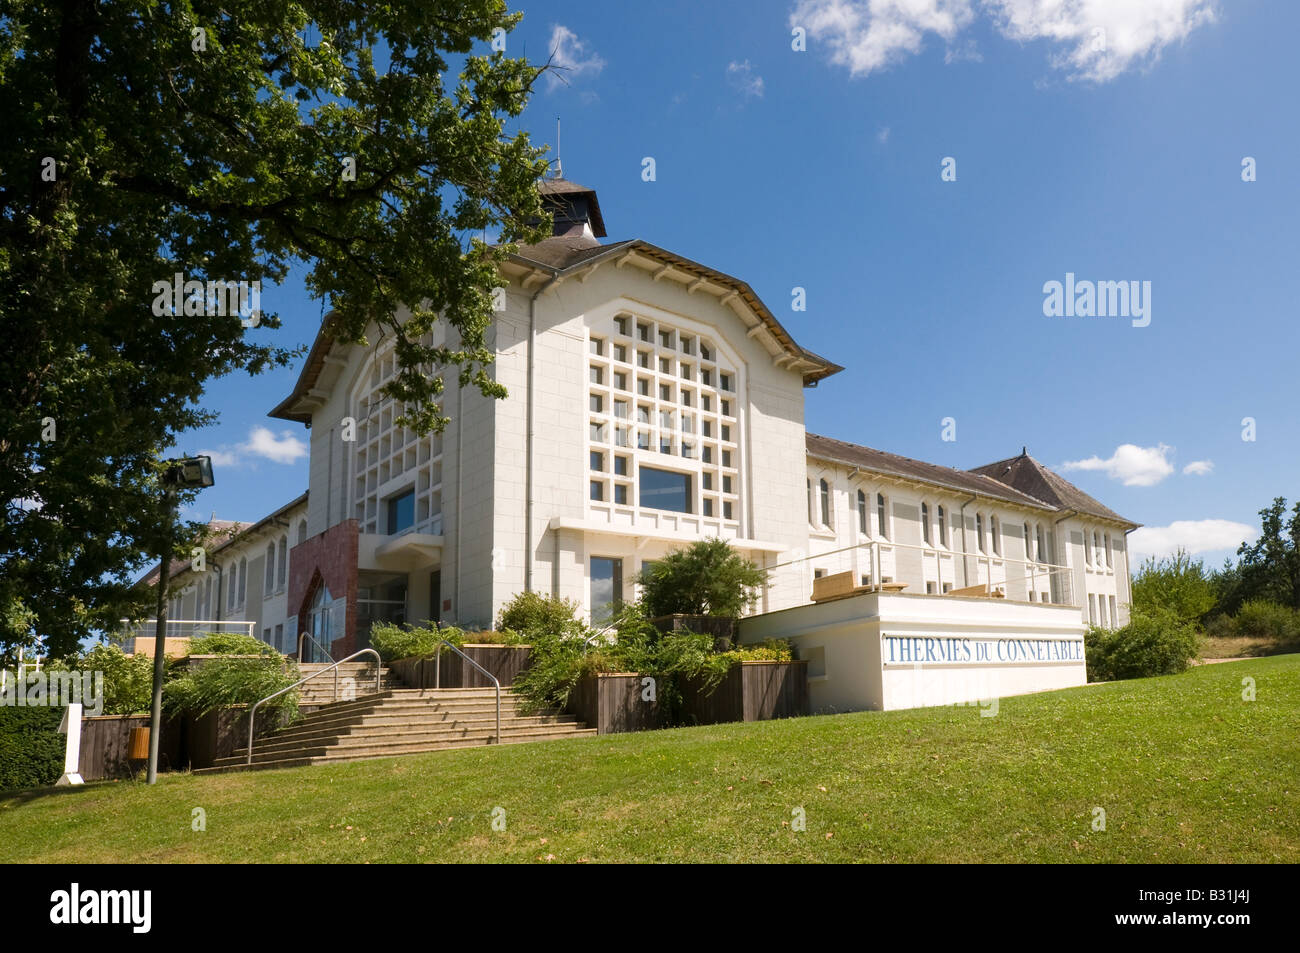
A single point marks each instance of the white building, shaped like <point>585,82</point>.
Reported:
<point>653,401</point>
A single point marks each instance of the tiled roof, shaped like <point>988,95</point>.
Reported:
<point>1029,476</point>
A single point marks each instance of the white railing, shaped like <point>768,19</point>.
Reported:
<point>178,629</point>
<point>1037,578</point>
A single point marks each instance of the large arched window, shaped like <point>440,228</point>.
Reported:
<point>862,513</point>
<point>282,569</point>
<point>882,524</point>
<point>925,522</point>
<point>268,576</point>
<point>942,519</point>
<point>825,493</point>
<point>232,586</point>
<point>243,579</point>
<point>302,532</point>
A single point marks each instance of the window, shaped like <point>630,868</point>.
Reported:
<point>620,466</point>
<point>726,484</point>
<point>707,455</point>
<point>597,490</point>
<point>726,458</point>
<point>597,346</point>
<point>708,480</point>
<point>401,512</point>
<point>726,509</point>
<point>621,323</point>
<point>665,490</point>
<point>284,562</point>
<point>726,432</point>
<point>706,377</point>
<point>1114,618</point>
<point>724,381</point>
<point>643,332</point>
<point>705,352</point>
<point>666,339</point>
<point>686,371</point>
<point>925,522</point>
<point>1101,610</point>
<point>726,408</point>
<point>268,576</point>
<point>232,586</point>
<point>302,532</point>
<point>606,588</point>
<point>643,386</point>
<point>881,524</point>
<point>597,461</point>
<point>1108,563</point>
<point>596,403</point>
<point>643,359</point>
<point>243,579</point>
<point>620,493</point>
<point>929,588</point>
<point>819,573</point>
<point>708,507</point>
<point>1087,549</point>
<point>862,513</point>
<point>279,637</point>
<point>1042,544</point>
<point>597,432</point>
<point>665,392</point>
<point>942,520</point>
<point>597,375</point>
<point>665,365</point>
<point>706,402</point>
<point>1029,546</point>
<point>620,353</point>
<point>993,535</point>
<point>979,532</point>
<point>688,346</point>
<point>1092,608</point>
<point>825,496</point>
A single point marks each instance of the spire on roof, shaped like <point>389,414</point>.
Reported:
<point>574,208</point>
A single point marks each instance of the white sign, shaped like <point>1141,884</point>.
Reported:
<point>957,650</point>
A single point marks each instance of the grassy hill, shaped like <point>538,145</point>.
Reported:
<point>1185,769</point>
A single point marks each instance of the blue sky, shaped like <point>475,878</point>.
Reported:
<point>1114,156</point>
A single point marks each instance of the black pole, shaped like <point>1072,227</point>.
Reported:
<point>159,647</point>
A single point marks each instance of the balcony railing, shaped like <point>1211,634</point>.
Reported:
<point>1024,580</point>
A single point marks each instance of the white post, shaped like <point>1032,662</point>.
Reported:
<point>71,726</point>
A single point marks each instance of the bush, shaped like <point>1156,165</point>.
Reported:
<point>230,643</point>
<point>223,682</point>
<point>533,616</point>
<point>31,748</point>
<point>706,578</point>
<point>1155,642</point>
<point>1258,619</point>
<point>1176,584</point>
<point>128,679</point>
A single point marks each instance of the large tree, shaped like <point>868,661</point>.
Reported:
<point>1268,568</point>
<point>226,141</point>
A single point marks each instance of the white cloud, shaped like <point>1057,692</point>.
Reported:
<point>1199,467</point>
<point>261,442</point>
<point>1091,39</point>
<point>1195,536</point>
<point>283,449</point>
<point>882,135</point>
<point>867,35</point>
<point>571,56</point>
<point>741,77</point>
<point>966,52</point>
<point>1131,464</point>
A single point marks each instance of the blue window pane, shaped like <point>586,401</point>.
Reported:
<point>664,490</point>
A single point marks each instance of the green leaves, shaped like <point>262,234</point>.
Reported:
<point>707,578</point>
<point>221,155</point>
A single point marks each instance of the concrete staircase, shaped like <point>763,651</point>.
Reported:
<point>401,721</point>
<point>358,676</point>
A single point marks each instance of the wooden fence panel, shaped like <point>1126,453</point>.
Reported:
<point>503,661</point>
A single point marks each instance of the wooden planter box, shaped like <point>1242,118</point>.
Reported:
<point>722,629</point>
<point>105,746</point>
<point>612,703</point>
<point>503,661</point>
<point>750,691</point>
<point>218,733</point>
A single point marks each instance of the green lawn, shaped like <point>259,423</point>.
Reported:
<point>1186,770</point>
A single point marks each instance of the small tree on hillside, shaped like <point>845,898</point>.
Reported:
<point>1177,583</point>
<point>707,578</point>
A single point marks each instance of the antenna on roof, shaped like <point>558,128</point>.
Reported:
<point>1024,451</point>
<point>559,157</point>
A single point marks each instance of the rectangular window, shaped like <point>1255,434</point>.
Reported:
<point>643,359</point>
<point>706,402</point>
<point>606,588</point>
<point>597,461</point>
<point>665,490</point>
<point>665,365</point>
<point>1092,608</point>
<point>596,403</point>
<point>621,323</point>
<point>688,449</point>
<point>706,377</point>
<point>724,381</point>
<point>597,346</point>
<point>706,352</point>
<point>708,507</point>
<point>687,345</point>
<point>620,352</point>
<point>708,480</point>
<point>726,408</point>
<point>726,458</point>
<point>666,392</point>
<point>643,332</point>
<point>686,371</point>
<point>597,432</point>
<point>707,455</point>
<point>620,409</point>
<point>1114,618</point>
<point>643,386</point>
<point>620,466</point>
<point>686,398</point>
<point>726,484</point>
<point>620,494</point>
<point>1101,610</point>
<point>597,490</point>
<point>620,380</point>
<point>597,375</point>
<point>401,512</point>
<point>726,509</point>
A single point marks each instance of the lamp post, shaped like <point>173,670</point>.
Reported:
<point>186,474</point>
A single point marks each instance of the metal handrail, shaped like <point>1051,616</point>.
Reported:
<point>307,635</point>
<point>437,677</point>
<point>586,643</point>
<point>379,675</point>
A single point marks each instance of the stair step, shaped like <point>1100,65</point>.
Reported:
<point>403,729</point>
<point>416,741</point>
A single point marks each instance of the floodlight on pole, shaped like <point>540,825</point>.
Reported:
<point>189,473</point>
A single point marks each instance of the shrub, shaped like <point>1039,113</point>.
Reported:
<point>230,643</point>
<point>128,679</point>
<point>1177,584</point>
<point>31,748</point>
<point>223,682</point>
<point>1259,619</point>
<point>706,578</point>
<point>393,641</point>
<point>534,616</point>
<point>1155,642</point>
